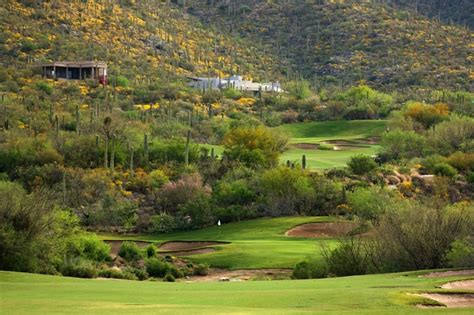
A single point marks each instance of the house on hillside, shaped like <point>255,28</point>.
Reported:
<point>76,70</point>
<point>235,82</point>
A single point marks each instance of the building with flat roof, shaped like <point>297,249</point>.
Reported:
<point>235,82</point>
<point>76,70</point>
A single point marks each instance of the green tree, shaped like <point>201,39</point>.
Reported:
<point>255,147</point>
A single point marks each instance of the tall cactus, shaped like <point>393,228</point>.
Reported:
<point>112,154</point>
<point>188,138</point>
<point>145,149</point>
<point>78,119</point>
<point>131,163</point>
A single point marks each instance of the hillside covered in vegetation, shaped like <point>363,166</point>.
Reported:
<point>142,41</point>
<point>344,42</point>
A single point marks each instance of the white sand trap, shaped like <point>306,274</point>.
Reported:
<point>460,285</point>
<point>450,300</point>
<point>451,273</point>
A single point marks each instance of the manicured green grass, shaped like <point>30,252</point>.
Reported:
<point>22,293</point>
<point>315,132</point>
<point>323,159</point>
<point>254,244</point>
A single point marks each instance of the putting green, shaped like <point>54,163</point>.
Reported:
<point>254,244</point>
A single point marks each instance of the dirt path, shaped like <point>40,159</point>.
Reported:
<point>190,252</point>
<point>242,275</point>
<point>323,229</point>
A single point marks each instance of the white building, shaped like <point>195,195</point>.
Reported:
<point>235,82</point>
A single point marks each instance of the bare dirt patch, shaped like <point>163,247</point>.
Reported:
<point>306,146</point>
<point>174,246</point>
<point>190,252</point>
<point>459,285</point>
<point>321,229</point>
<point>115,245</point>
<point>450,300</point>
<point>451,273</point>
<point>346,147</point>
<point>243,275</point>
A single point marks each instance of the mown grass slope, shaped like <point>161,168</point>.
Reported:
<point>374,294</point>
<point>314,132</point>
<point>353,132</point>
<point>254,244</point>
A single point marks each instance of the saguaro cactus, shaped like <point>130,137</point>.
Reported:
<point>145,149</point>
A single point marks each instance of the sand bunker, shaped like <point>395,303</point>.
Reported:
<point>349,147</point>
<point>459,285</point>
<point>115,245</point>
<point>322,229</point>
<point>191,252</point>
<point>451,273</point>
<point>185,246</point>
<point>450,300</point>
<point>243,275</point>
<point>306,146</point>
<point>181,248</point>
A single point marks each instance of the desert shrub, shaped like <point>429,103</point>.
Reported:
<point>128,274</point>
<point>470,177</point>
<point>175,272</point>
<point>349,258</point>
<point>156,268</point>
<point>361,164</point>
<point>150,251</point>
<point>254,147</point>
<point>414,235</point>
<point>90,247</point>
<point>198,213</point>
<point>463,162</point>
<point>285,191</point>
<point>110,273</point>
<point>33,231</point>
<point>398,144</point>
<point>201,269</point>
<point>456,134</point>
<point>312,269</point>
<point>79,268</point>
<point>236,192</point>
<point>158,178</point>
<point>325,147</point>
<point>431,161</point>
<point>370,202</point>
<point>169,278</point>
<point>130,251</point>
<point>234,213</point>
<point>327,195</point>
<point>444,169</point>
<point>162,223</point>
<point>461,253</point>
<point>136,273</point>
<point>187,188</point>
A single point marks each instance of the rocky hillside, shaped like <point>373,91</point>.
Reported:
<point>348,41</point>
<point>139,39</point>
